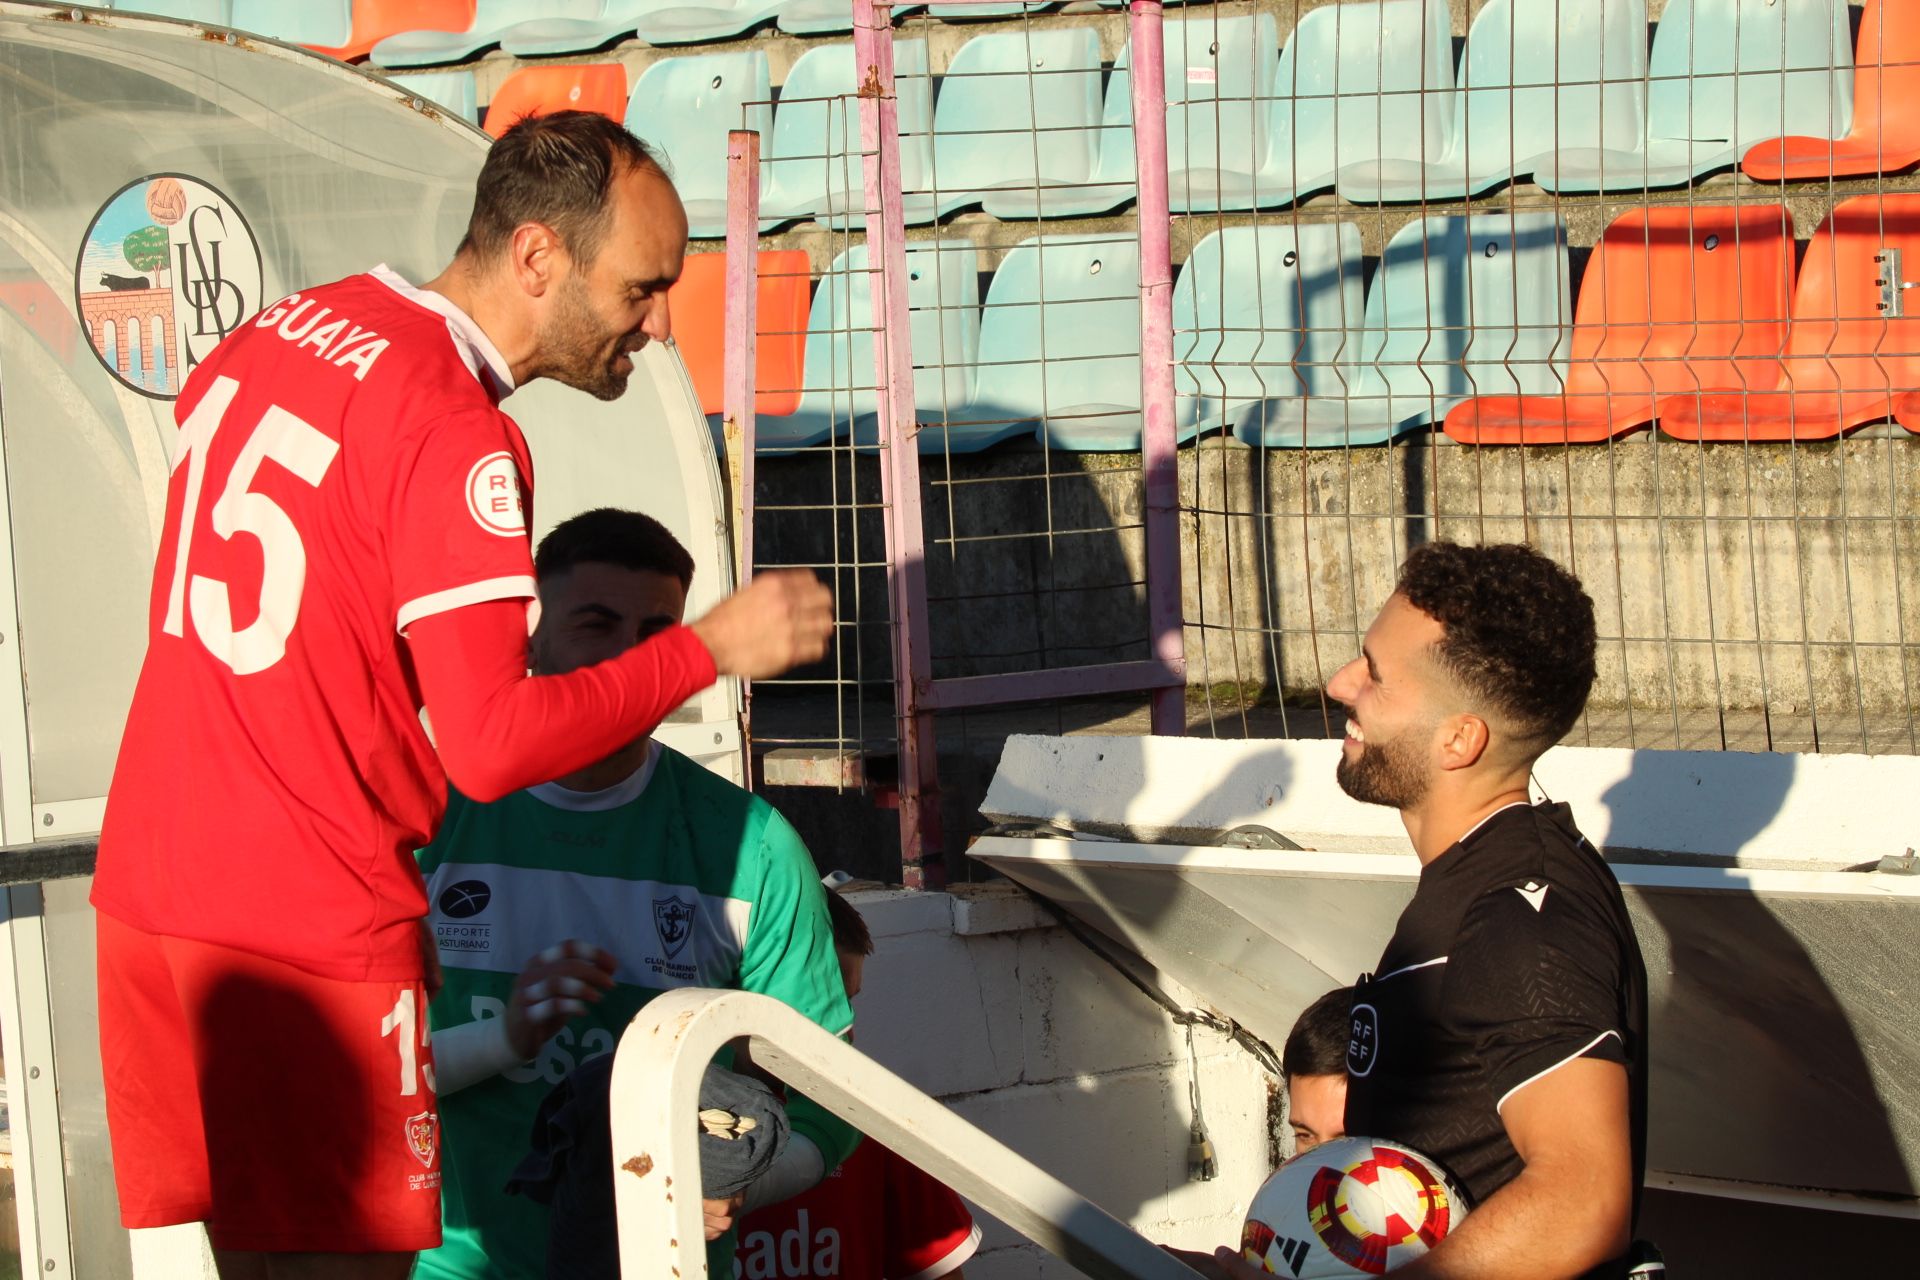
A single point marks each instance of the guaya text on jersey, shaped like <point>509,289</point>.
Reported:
<point>339,342</point>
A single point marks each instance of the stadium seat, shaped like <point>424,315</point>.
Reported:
<point>375,20</point>
<point>492,19</point>
<point>1723,74</point>
<point>697,21</point>
<point>1460,306</point>
<point>826,17</point>
<point>686,106</point>
<point>1262,312</point>
<point>997,86</point>
<point>698,304</point>
<point>218,13</point>
<point>1885,130</point>
<point>1060,344</point>
<point>838,379</point>
<point>1539,77</point>
<point>1011,9</point>
<point>1217,113</point>
<point>814,165</point>
<point>543,37</point>
<point>578,86</point>
<point>316,22</point>
<point>453,90</point>
<point>943,297</point>
<point>1364,80</point>
<point>1219,72</point>
<point>1851,344</point>
<point>1675,298</point>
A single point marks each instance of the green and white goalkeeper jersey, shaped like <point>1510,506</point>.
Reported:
<point>686,878</point>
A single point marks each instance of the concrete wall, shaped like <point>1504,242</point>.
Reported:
<point>976,997</point>
<point>1726,575</point>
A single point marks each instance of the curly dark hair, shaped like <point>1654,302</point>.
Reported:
<point>1519,632</point>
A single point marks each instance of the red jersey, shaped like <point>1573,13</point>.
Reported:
<point>876,1217</point>
<point>343,469</point>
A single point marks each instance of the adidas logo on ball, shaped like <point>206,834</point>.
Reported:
<point>1350,1207</point>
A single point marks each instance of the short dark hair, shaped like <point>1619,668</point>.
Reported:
<point>1317,1045</point>
<point>608,535</point>
<point>850,932</point>
<point>555,169</point>
<point>1519,632</point>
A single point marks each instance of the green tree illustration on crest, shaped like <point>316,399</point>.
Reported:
<point>146,249</point>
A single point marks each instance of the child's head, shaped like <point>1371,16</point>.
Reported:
<point>851,940</point>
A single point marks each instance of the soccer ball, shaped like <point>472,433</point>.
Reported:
<point>1350,1207</point>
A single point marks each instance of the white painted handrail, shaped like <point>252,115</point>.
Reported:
<point>656,1153</point>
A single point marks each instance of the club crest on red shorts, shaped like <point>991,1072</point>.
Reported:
<point>420,1136</point>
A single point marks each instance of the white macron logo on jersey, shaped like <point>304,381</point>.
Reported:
<point>493,495</point>
<point>1534,892</point>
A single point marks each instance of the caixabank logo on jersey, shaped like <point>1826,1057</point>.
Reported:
<point>168,267</point>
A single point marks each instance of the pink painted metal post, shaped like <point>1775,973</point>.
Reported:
<point>1159,443</point>
<point>920,831</point>
<point>738,368</point>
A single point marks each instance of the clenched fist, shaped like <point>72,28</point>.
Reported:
<point>782,619</point>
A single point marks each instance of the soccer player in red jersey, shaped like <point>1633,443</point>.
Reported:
<point>345,544</point>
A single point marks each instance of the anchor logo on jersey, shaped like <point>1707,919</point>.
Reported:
<point>673,919</point>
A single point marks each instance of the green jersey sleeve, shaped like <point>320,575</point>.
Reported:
<point>790,956</point>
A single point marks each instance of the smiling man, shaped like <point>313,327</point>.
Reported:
<point>1503,1033</point>
<point>1504,1030</point>
<point>345,545</point>
<point>563,908</point>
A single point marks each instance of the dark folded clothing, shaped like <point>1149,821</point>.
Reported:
<point>570,1168</point>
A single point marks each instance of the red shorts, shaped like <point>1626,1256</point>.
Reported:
<point>288,1112</point>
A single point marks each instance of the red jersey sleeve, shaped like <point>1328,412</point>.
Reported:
<point>457,517</point>
<point>930,1233</point>
<point>499,729</point>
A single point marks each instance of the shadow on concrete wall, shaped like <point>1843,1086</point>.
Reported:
<point>1758,1008</point>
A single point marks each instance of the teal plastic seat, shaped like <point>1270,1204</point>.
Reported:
<point>328,23</point>
<point>1540,77</point>
<point>686,106</point>
<point>1219,73</point>
<point>492,19</point>
<point>452,90</point>
<point>697,21</point>
<point>1060,345</point>
<point>1260,313</point>
<point>825,17</point>
<point>1018,111</point>
<point>815,168</point>
<point>838,393</point>
<point>1724,75</point>
<point>1364,80</point>
<point>216,13</point>
<point>1460,307</point>
<point>544,37</point>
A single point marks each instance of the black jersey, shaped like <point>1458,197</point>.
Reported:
<point>1515,956</point>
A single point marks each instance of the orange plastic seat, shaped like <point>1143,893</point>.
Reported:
<point>1885,136</point>
<point>1846,356</point>
<point>375,20</point>
<point>698,305</point>
<point>1674,299</point>
<point>535,91</point>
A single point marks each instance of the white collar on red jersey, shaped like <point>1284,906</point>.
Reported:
<point>469,339</point>
<point>623,792</point>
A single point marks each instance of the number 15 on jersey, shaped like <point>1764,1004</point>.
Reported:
<point>288,442</point>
